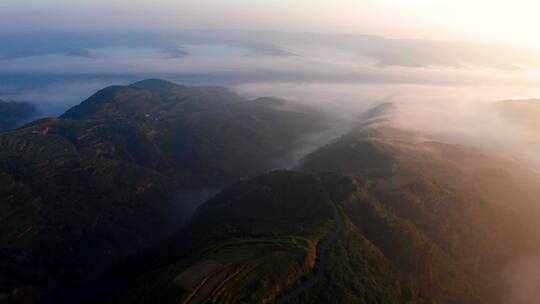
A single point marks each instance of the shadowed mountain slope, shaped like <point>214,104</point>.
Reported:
<point>379,215</point>
<point>405,221</point>
<point>108,177</point>
<point>255,241</point>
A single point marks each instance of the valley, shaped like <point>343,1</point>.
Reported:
<point>162,192</point>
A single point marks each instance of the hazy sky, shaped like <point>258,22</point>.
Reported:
<point>511,22</point>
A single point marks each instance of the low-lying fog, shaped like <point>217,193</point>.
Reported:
<point>477,115</point>
<point>448,90</point>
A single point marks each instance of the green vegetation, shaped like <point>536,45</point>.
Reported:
<point>444,218</point>
<point>377,216</point>
<point>263,232</point>
<point>81,192</point>
<point>352,154</point>
<point>356,272</point>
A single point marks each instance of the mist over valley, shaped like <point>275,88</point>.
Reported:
<point>147,163</point>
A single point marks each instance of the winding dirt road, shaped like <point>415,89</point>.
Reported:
<point>320,263</point>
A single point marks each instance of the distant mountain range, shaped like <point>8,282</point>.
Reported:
<point>385,51</point>
<point>55,70</point>
<point>94,206</point>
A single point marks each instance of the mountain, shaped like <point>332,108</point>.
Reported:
<point>461,202</point>
<point>385,51</point>
<point>200,136</point>
<point>257,240</point>
<point>94,207</point>
<point>12,114</point>
<point>119,171</point>
<point>377,216</point>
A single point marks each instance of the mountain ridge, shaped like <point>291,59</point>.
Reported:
<point>100,197</point>
<point>108,178</point>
